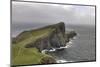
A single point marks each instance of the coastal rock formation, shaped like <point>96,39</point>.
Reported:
<point>28,45</point>
<point>70,35</point>
<point>54,39</point>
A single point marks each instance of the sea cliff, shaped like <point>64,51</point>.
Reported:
<point>27,47</point>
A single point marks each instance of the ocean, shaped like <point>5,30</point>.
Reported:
<point>81,47</point>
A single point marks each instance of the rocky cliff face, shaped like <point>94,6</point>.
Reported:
<point>27,46</point>
<point>54,39</point>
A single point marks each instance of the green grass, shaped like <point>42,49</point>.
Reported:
<point>32,36</point>
<point>24,56</point>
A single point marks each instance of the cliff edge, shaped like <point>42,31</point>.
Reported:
<point>28,45</point>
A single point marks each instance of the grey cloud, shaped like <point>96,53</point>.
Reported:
<point>32,15</point>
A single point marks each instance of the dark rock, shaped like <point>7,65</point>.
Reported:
<point>55,38</point>
<point>69,35</point>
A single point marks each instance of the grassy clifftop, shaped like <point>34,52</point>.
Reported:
<point>26,56</point>
<point>40,32</point>
<point>27,46</point>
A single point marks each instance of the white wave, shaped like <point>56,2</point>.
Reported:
<point>70,42</point>
<point>52,50</point>
<point>67,46</point>
<point>62,61</point>
<point>45,50</point>
<point>74,38</point>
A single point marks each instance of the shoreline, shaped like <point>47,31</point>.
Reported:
<point>68,45</point>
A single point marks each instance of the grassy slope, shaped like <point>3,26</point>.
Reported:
<point>32,35</point>
<point>24,56</point>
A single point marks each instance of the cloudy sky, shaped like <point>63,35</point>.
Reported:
<point>27,15</point>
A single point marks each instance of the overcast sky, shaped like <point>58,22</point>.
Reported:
<point>27,15</point>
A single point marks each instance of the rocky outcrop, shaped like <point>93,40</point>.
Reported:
<point>55,38</point>
<point>30,44</point>
<point>69,35</point>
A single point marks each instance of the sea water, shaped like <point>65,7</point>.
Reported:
<point>81,47</point>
